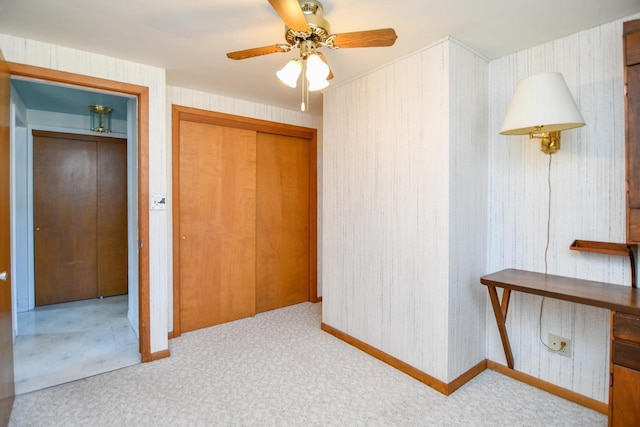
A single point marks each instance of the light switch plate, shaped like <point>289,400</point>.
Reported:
<point>158,202</point>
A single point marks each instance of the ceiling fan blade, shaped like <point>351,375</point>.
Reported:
<point>291,13</point>
<point>371,38</point>
<point>330,76</point>
<point>256,51</point>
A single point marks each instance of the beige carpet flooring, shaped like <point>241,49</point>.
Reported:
<point>279,369</point>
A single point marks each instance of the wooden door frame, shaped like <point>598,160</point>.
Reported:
<point>142,94</point>
<point>197,115</point>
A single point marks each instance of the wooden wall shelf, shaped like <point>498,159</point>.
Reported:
<point>619,249</point>
<point>600,247</point>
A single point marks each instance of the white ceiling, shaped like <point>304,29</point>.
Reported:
<point>189,38</point>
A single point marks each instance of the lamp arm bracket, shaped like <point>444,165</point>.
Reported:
<point>549,141</point>
<point>538,135</point>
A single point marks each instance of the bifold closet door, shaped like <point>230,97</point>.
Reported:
<point>80,216</point>
<point>112,230</point>
<point>217,211</point>
<point>282,265</point>
<point>64,216</point>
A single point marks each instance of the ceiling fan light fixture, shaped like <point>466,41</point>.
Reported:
<point>318,85</point>
<point>290,72</point>
<point>317,70</point>
<point>307,30</point>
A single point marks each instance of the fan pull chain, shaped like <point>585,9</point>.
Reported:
<point>303,86</point>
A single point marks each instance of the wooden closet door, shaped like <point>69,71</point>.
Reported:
<point>112,242</point>
<point>282,221</point>
<point>217,225</point>
<point>64,211</point>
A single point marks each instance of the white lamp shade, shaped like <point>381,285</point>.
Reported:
<point>318,85</point>
<point>541,103</point>
<point>290,73</point>
<point>317,70</point>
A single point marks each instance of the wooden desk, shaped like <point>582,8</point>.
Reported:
<point>624,303</point>
<point>613,297</point>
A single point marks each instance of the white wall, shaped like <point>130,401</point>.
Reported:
<point>132,214</point>
<point>21,273</point>
<point>221,104</point>
<point>393,151</point>
<point>19,209</point>
<point>587,202</point>
<point>468,207</point>
<point>45,55</point>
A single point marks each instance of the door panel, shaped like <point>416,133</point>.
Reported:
<point>217,224</point>
<point>6,334</point>
<point>625,410</point>
<point>282,221</point>
<point>112,217</point>
<point>64,187</point>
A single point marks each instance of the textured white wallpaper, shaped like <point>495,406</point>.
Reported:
<point>587,202</point>
<point>390,159</point>
<point>468,213</point>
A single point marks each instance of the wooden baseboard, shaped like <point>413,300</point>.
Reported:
<point>151,357</point>
<point>572,396</point>
<point>170,335</point>
<point>424,378</point>
<point>466,377</point>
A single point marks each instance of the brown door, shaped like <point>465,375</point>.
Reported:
<point>64,217</point>
<point>217,175</point>
<point>6,335</point>
<point>282,262</point>
<point>79,198</point>
<point>112,217</point>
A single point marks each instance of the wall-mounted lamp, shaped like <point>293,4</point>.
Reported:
<point>100,118</point>
<point>542,106</point>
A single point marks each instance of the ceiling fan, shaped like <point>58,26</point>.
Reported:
<point>307,30</point>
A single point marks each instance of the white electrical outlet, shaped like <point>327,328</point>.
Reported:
<point>559,345</point>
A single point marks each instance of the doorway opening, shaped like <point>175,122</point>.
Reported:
<point>134,305</point>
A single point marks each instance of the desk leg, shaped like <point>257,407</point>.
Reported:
<point>506,295</point>
<point>500,311</point>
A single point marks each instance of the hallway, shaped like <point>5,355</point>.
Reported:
<point>59,343</point>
